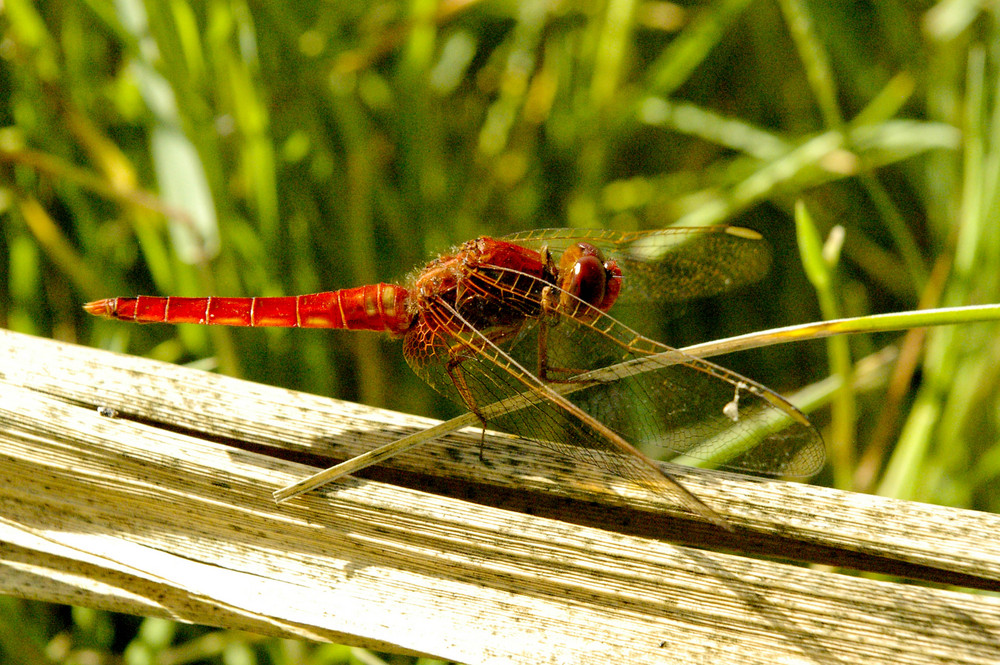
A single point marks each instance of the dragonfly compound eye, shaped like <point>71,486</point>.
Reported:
<point>583,275</point>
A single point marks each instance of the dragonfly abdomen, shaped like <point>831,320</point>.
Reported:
<point>379,307</point>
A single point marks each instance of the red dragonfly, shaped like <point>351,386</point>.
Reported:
<point>516,330</point>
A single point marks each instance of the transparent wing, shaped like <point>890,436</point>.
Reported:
<point>663,401</point>
<point>669,265</point>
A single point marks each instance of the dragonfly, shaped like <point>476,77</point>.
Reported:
<point>517,330</point>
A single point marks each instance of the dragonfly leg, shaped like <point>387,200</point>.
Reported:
<point>543,338</point>
<point>548,310</point>
<point>454,369</point>
<point>545,372</point>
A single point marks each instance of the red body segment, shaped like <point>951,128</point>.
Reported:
<point>379,307</point>
<point>493,252</point>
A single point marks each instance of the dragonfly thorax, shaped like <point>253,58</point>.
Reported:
<point>486,284</point>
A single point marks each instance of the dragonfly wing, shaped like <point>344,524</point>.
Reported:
<point>672,264</point>
<point>662,400</point>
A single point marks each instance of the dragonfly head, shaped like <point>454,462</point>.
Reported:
<point>584,275</point>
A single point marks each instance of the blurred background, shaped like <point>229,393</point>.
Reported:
<point>233,147</point>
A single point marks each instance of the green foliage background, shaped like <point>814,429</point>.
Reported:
<point>238,147</point>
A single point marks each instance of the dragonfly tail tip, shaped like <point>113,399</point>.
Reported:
<point>102,308</point>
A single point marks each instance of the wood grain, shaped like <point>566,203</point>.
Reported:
<point>166,510</point>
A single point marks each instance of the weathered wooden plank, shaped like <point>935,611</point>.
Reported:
<point>167,510</point>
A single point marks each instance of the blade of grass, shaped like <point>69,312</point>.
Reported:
<point>914,460</point>
<point>819,270</point>
<point>677,62</point>
<point>814,58</point>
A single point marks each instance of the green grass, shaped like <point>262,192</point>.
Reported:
<point>282,147</point>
